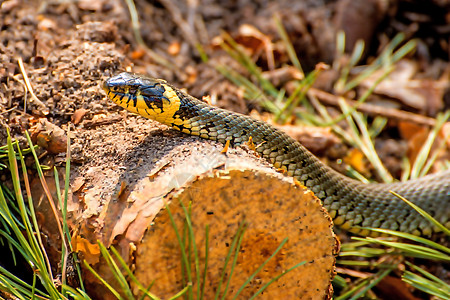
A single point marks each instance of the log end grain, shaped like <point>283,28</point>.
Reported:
<point>272,209</point>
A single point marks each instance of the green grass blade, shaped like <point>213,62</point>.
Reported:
<point>131,275</point>
<point>227,259</point>
<point>180,293</point>
<point>105,283</point>
<point>17,286</point>
<point>411,237</point>
<point>193,243</point>
<point>378,277</point>
<point>242,57</point>
<point>26,241</point>
<point>184,257</point>
<point>288,44</point>
<point>431,284</point>
<point>419,163</point>
<point>120,278</point>
<point>411,249</point>
<point>262,289</point>
<point>284,241</point>
<point>233,264</point>
<point>424,214</point>
<point>206,262</point>
<point>427,274</point>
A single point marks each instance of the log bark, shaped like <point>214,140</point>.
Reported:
<point>135,171</point>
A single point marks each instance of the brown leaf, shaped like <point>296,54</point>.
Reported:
<point>78,115</point>
<point>416,137</point>
<point>137,54</point>
<point>445,133</point>
<point>408,130</point>
<point>174,48</point>
<point>49,136</point>
<point>422,94</point>
<point>394,288</point>
<point>356,159</point>
<point>316,139</point>
<point>91,252</point>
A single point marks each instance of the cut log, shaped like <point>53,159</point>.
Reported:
<point>123,192</point>
<point>271,209</point>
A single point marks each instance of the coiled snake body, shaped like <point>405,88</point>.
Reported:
<point>351,204</point>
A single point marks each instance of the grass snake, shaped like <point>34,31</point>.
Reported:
<point>351,204</point>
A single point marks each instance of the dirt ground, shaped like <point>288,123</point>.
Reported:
<point>68,48</point>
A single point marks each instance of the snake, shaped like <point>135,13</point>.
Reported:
<point>353,205</point>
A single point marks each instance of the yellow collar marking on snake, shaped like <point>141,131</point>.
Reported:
<point>171,104</point>
<point>165,115</point>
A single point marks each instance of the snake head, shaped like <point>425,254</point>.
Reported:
<point>150,97</point>
<point>131,85</point>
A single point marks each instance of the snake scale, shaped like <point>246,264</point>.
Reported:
<point>350,203</point>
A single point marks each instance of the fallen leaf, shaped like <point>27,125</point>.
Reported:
<point>423,94</point>
<point>49,136</point>
<point>91,252</point>
<point>174,48</point>
<point>137,54</point>
<point>415,143</point>
<point>78,115</point>
<point>77,183</point>
<point>356,159</point>
<point>408,130</point>
<point>445,133</point>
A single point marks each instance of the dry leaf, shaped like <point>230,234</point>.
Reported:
<point>422,94</point>
<point>356,159</point>
<point>174,48</point>
<point>91,252</point>
<point>49,136</point>
<point>78,115</point>
<point>137,54</point>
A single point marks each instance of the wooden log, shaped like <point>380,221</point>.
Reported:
<point>136,170</point>
<point>272,209</point>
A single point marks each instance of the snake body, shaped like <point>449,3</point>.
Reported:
<point>350,203</point>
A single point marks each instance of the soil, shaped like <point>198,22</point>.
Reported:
<point>68,48</point>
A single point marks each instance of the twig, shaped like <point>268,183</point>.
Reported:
<point>137,35</point>
<point>8,110</point>
<point>198,22</point>
<point>184,26</point>
<point>44,108</point>
<point>371,109</point>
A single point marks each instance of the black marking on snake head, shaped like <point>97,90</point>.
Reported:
<point>153,95</point>
<point>131,97</point>
<point>151,102</point>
